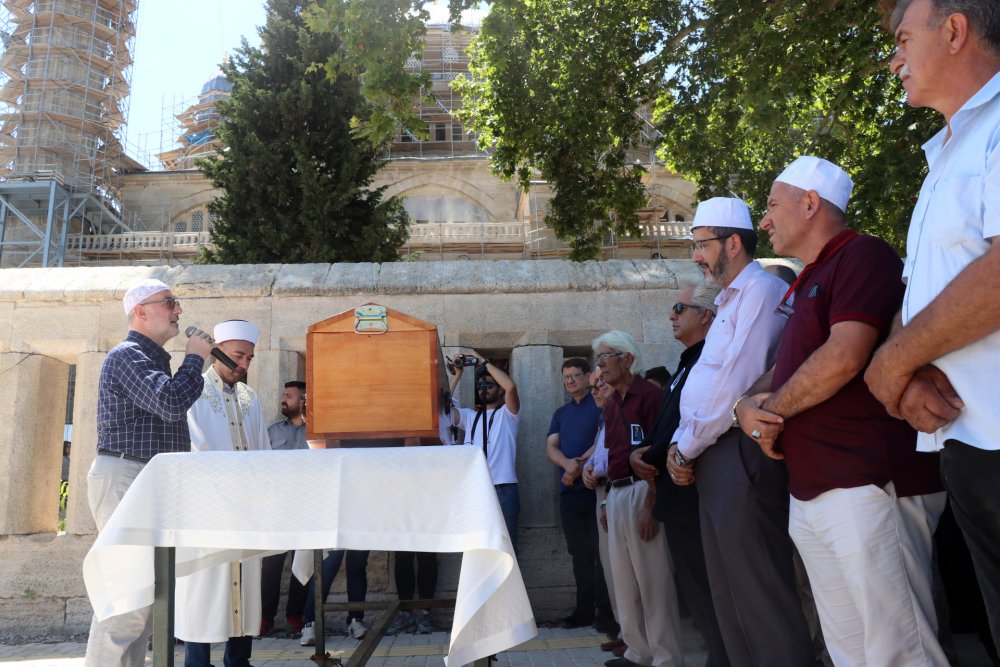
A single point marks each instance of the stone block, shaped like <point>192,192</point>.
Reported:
<point>26,617</point>
<point>79,519</point>
<point>15,284</point>
<point>236,280</point>
<point>42,566</point>
<point>6,324</point>
<point>352,279</point>
<point>55,329</point>
<point>300,280</point>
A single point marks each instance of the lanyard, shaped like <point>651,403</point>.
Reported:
<point>489,426</point>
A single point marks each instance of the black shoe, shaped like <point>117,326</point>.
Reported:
<point>577,620</point>
<point>605,624</point>
<point>621,662</point>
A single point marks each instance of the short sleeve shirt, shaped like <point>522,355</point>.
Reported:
<point>501,440</point>
<point>627,421</point>
<point>845,441</point>
<point>577,424</point>
<point>284,435</point>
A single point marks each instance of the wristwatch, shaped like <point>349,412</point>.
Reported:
<point>680,459</point>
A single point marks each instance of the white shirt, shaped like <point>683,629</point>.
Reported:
<point>958,209</point>
<point>501,441</point>
<point>222,601</point>
<point>599,457</point>
<point>740,346</point>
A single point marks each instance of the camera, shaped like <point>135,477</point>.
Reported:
<point>464,360</point>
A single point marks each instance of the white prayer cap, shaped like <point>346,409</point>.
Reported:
<point>722,212</point>
<point>141,291</point>
<point>822,176</point>
<point>236,330</point>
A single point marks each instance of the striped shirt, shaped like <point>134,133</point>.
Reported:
<point>141,409</point>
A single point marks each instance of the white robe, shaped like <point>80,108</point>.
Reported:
<point>210,603</point>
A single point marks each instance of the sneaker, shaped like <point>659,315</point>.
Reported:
<point>356,629</point>
<point>403,622</point>
<point>294,624</point>
<point>308,635</point>
<point>424,625</point>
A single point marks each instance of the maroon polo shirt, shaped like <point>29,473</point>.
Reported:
<point>848,440</point>
<point>627,421</point>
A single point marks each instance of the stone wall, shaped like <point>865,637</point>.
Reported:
<point>534,313</point>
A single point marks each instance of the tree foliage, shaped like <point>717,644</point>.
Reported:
<point>739,89</point>
<point>295,181</point>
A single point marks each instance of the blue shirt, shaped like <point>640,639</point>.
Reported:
<point>141,409</point>
<point>285,435</point>
<point>576,424</point>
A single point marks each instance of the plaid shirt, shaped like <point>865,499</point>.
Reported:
<point>141,409</point>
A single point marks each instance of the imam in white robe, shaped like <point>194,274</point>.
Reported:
<point>222,601</point>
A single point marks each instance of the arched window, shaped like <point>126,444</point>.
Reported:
<point>195,220</point>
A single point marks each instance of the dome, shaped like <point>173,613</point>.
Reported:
<point>217,83</point>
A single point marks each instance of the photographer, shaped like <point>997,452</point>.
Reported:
<point>496,419</point>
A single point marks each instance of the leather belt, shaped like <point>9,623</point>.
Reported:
<point>122,455</point>
<point>624,481</point>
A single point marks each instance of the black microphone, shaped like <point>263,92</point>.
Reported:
<point>216,352</point>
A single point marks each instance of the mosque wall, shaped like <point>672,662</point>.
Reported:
<point>533,313</point>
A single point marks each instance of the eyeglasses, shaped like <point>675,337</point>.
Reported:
<point>171,302</point>
<point>603,356</point>
<point>572,378</point>
<point>698,246</point>
<point>679,307</point>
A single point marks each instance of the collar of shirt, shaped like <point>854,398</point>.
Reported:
<point>741,279</point>
<point>148,346</point>
<point>690,352</point>
<point>213,377</point>
<point>934,146</point>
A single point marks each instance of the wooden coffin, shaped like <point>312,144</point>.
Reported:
<point>374,374</point>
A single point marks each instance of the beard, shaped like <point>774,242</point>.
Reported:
<point>717,272</point>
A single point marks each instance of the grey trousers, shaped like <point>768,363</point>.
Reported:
<point>744,530</point>
<point>117,641</point>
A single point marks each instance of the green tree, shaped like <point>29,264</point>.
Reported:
<point>739,89</point>
<point>296,182</point>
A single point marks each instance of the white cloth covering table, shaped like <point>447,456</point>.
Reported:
<point>216,507</point>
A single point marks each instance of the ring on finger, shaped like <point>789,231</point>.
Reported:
<point>755,434</point>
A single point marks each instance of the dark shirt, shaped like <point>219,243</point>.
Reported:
<point>849,439</point>
<point>285,435</point>
<point>576,424</point>
<point>627,421</point>
<point>676,505</point>
<point>141,409</point>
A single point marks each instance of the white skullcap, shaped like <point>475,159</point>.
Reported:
<point>141,291</point>
<point>236,330</point>
<point>722,212</point>
<point>822,176</point>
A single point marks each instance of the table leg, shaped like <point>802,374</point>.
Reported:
<point>164,573</point>
<point>319,623</point>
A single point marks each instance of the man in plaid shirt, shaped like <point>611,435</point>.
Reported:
<point>141,412</point>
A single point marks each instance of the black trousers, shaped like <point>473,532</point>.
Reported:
<point>577,509</point>
<point>422,577</point>
<point>748,554</point>
<point>271,570</point>
<point>972,478</point>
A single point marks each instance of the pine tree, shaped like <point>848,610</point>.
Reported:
<point>295,181</point>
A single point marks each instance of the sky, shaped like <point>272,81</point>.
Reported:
<point>178,46</point>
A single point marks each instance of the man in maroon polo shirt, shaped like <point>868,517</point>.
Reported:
<point>645,595</point>
<point>848,460</point>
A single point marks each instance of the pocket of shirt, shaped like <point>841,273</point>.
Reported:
<point>954,214</point>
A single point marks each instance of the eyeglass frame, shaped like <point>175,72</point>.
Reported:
<point>574,377</point>
<point>603,356</point>
<point>169,300</point>
<point>679,307</point>
<point>699,245</point>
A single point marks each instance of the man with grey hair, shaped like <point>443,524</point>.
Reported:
<point>141,412</point>
<point>939,368</point>
<point>852,468</point>
<point>645,595</point>
<point>677,506</point>
<point>743,495</point>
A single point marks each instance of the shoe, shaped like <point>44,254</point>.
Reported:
<point>611,645</point>
<point>357,629</point>
<point>308,637</point>
<point>424,625</point>
<point>404,622</point>
<point>619,651</point>
<point>266,625</point>
<point>294,624</point>
<point>577,620</point>
<point>604,622</point>
<point>621,662</point>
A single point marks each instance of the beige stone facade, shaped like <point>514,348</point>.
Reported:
<point>534,313</point>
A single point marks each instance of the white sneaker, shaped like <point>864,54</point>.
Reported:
<point>308,635</point>
<point>357,629</point>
